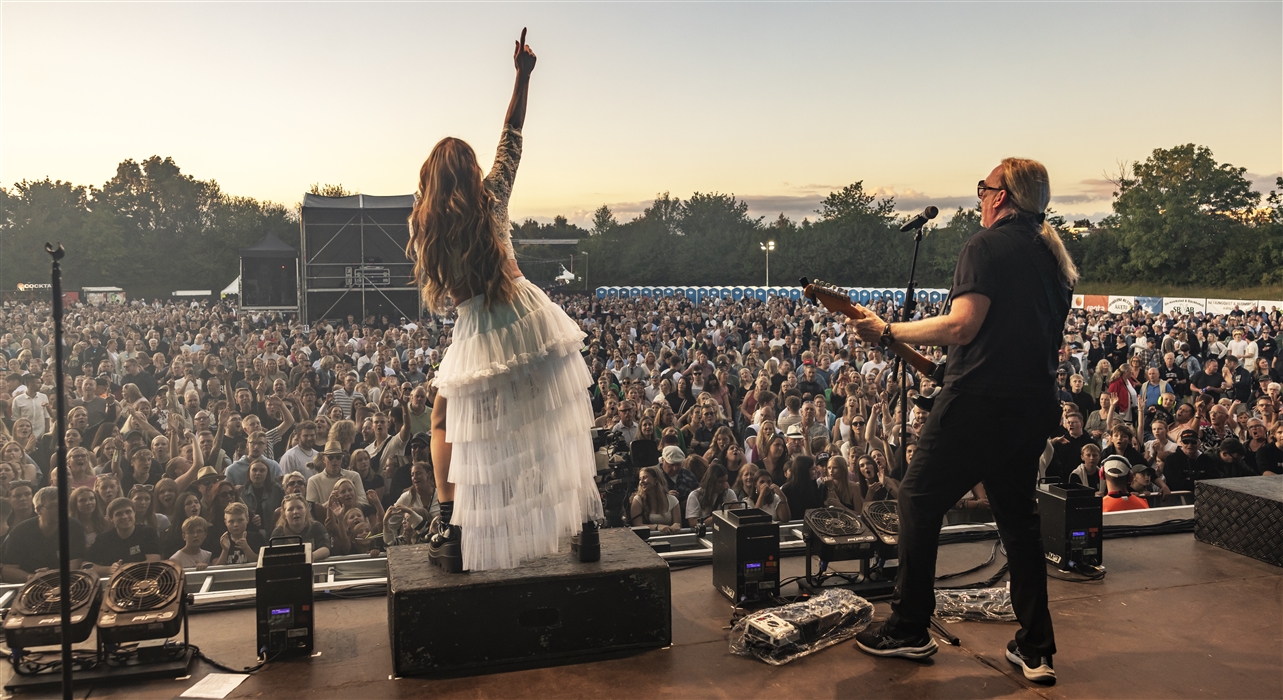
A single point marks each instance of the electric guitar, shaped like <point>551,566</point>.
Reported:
<point>837,300</point>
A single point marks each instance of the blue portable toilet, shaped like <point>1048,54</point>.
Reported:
<point>875,295</point>
<point>759,293</point>
<point>601,292</point>
<point>934,297</point>
<point>795,293</point>
<point>692,294</point>
<point>668,291</point>
<point>737,293</point>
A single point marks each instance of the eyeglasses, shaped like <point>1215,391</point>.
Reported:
<point>981,188</point>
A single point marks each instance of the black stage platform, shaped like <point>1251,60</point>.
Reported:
<point>1174,618</point>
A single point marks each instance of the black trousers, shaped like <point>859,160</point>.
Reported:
<point>971,439</point>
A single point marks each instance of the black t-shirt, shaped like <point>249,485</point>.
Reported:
<point>1181,472</point>
<point>1014,352</point>
<point>235,555</point>
<point>1068,455</point>
<point>1211,382</point>
<point>803,497</point>
<point>109,548</point>
<point>1268,459</point>
<point>28,549</point>
<point>1175,376</point>
<point>1241,384</point>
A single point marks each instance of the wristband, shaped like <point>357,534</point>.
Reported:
<point>887,338</point>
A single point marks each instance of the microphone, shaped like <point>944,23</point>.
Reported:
<point>920,220</point>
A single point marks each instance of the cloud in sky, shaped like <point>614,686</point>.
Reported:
<point>635,98</point>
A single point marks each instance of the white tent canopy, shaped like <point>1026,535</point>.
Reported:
<point>233,288</point>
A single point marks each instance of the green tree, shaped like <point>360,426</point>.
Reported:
<point>1179,214</point>
<point>328,190</point>
<point>603,220</point>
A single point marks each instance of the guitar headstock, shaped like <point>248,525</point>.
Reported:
<point>822,287</point>
<point>830,296</point>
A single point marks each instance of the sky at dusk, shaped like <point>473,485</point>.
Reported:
<point>777,103</point>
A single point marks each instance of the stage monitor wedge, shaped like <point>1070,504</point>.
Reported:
<point>353,258</point>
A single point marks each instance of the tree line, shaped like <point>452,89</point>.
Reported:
<point>1178,218</point>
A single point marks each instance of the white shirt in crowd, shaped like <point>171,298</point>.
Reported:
<point>296,459</point>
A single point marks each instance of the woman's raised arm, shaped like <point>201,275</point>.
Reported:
<point>524,60</point>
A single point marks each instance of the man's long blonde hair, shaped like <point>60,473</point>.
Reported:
<point>1029,187</point>
<point>454,233</point>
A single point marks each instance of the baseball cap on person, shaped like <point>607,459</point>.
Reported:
<point>1189,436</point>
<point>673,455</point>
<point>421,439</point>
<point>1117,466</point>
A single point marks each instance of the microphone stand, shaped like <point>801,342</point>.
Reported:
<point>64,526</point>
<point>906,312</point>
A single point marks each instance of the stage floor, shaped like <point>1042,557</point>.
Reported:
<point>1173,618</point>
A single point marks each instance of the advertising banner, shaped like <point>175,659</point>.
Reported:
<point>1154,305</point>
<point>1224,306</point>
<point>1095,302</point>
<point>1121,305</point>
<point>1269,306</point>
<point>1180,306</point>
<point>1079,301</point>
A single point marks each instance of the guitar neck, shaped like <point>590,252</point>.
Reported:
<point>915,359</point>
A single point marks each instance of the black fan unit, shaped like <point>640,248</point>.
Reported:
<point>836,534</point>
<point>883,518</point>
<point>145,600</point>
<point>36,616</point>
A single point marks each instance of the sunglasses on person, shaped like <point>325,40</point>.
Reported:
<point>982,187</point>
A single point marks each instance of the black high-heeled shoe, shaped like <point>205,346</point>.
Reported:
<point>444,546</point>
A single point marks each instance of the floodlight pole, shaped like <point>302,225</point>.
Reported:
<point>768,247</point>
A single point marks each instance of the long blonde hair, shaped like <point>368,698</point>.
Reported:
<point>655,499</point>
<point>455,236</point>
<point>1029,187</point>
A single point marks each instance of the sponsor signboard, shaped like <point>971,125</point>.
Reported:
<point>1153,305</point>
<point>1095,302</point>
<point>1180,306</point>
<point>1224,306</point>
<point>1121,305</point>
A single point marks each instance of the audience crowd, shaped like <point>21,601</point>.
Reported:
<point>196,433</point>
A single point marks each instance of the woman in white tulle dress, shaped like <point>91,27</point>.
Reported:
<point>511,447</point>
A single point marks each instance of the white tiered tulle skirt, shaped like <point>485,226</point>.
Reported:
<point>518,418</point>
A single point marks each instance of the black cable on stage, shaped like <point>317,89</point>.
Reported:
<point>223,667</point>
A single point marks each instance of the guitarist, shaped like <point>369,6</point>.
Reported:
<point>1010,297</point>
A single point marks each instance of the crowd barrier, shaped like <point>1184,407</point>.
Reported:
<point>861,295</point>
<point>866,295</point>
